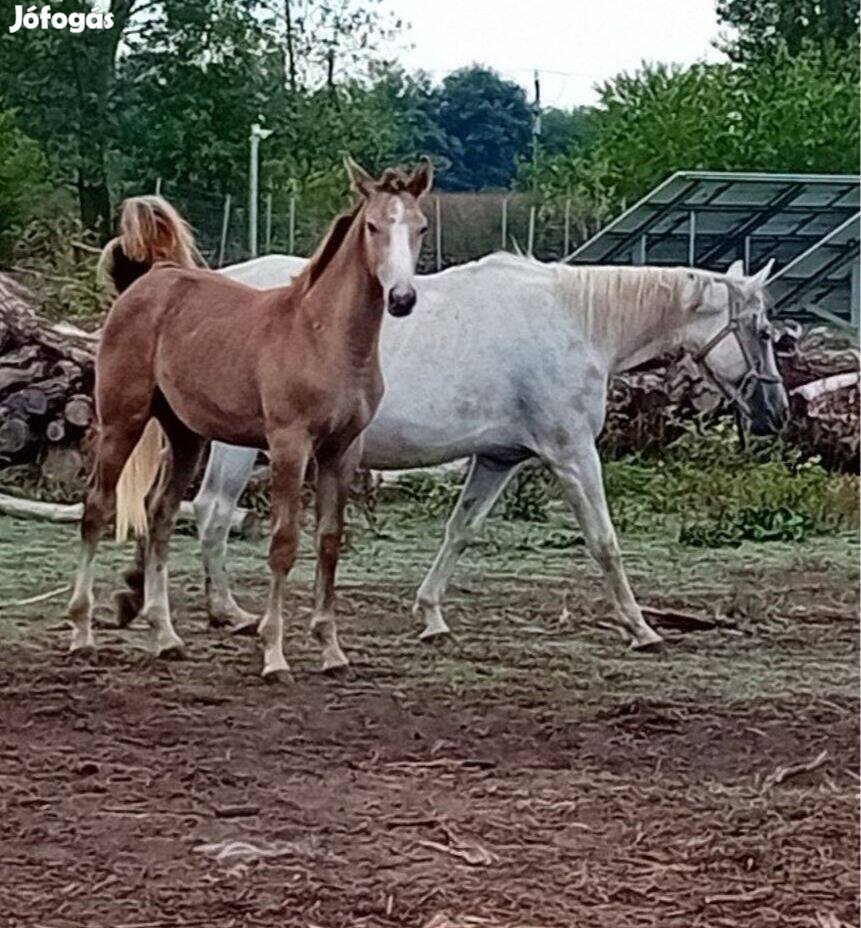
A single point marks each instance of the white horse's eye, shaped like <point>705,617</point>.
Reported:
<point>373,228</point>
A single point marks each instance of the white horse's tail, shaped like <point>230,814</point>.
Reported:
<point>138,477</point>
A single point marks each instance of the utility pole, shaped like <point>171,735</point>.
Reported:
<point>536,120</point>
<point>257,133</point>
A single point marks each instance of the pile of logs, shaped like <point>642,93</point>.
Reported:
<point>46,381</point>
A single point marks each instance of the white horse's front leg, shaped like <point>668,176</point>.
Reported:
<point>486,480</point>
<point>580,476</point>
<point>227,474</point>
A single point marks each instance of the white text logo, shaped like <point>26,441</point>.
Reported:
<point>45,18</point>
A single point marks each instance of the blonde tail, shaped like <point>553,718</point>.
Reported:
<point>139,474</point>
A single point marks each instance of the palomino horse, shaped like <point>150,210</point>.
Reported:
<point>508,360</point>
<point>294,369</point>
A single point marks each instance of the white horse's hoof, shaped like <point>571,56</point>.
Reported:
<point>647,641</point>
<point>82,644</point>
<point>435,624</point>
<point>232,617</point>
<point>334,659</point>
<point>245,628</point>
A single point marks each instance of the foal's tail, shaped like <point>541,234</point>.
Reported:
<point>151,230</point>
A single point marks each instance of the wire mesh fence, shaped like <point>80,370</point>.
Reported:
<point>462,226</point>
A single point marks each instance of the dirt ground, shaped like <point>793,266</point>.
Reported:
<point>528,773</point>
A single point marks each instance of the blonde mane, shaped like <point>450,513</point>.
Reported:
<point>613,301</point>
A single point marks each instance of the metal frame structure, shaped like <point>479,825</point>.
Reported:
<point>807,222</point>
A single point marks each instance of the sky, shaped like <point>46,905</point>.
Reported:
<point>574,43</point>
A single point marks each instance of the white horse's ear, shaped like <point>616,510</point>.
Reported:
<point>760,278</point>
<point>736,270</point>
<point>360,179</point>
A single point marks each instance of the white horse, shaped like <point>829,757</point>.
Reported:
<point>507,360</point>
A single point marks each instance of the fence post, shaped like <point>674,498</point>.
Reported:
<point>438,231</point>
<point>530,240</point>
<point>291,233</point>
<point>268,246</point>
<point>504,222</point>
<point>158,186</point>
<point>566,249</point>
<point>225,225</point>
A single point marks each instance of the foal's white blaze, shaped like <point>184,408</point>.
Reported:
<point>396,272</point>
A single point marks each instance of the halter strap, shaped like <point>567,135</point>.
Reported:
<point>753,375</point>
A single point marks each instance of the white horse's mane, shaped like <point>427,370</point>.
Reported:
<point>611,301</point>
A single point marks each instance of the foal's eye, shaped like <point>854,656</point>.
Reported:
<point>423,230</point>
<point>373,228</point>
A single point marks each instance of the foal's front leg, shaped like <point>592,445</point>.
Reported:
<point>289,450</point>
<point>334,476</point>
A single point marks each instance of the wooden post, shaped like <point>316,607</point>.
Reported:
<point>504,242</point>
<point>268,239</point>
<point>438,231</point>
<point>530,238</point>
<point>566,248</point>
<point>291,240</point>
<point>225,226</point>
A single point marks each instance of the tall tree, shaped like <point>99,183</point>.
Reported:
<point>64,82</point>
<point>760,28</point>
<point>486,126</point>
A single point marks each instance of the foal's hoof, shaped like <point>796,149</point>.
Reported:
<point>339,672</point>
<point>279,677</point>
<point>128,607</point>
<point>86,654</point>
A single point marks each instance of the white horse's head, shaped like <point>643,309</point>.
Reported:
<point>730,337</point>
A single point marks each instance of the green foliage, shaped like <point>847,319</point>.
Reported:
<point>565,131</point>
<point>786,112</point>
<point>485,124</point>
<point>23,179</point>
<point>526,497</point>
<point>61,257</point>
<point>763,27</point>
<point>711,492</point>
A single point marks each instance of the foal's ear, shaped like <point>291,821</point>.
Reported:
<point>360,179</point>
<point>422,179</point>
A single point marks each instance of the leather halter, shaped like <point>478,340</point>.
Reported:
<point>739,394</point>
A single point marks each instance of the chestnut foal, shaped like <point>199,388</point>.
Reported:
<point>294,369</point>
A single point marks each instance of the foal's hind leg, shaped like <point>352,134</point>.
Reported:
<point>114,445</point>
<point>186,449</point>
<point>580,476</point>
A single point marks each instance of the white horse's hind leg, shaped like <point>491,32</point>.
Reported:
<point>580,476</point>
<point>227,474</point>
<point>485,482</point>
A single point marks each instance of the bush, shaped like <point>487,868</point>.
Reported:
<point>717,494</point>
<point>23,179</point>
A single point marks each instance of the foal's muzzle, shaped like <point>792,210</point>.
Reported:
<point>402,303</point>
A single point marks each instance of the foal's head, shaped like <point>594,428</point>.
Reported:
<point>393,227</point>
<point>733,341</point>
